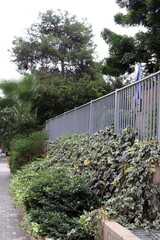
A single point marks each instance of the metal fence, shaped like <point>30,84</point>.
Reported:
<point>136,105</point>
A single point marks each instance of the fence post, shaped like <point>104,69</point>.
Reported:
<point>158,111</point>
<point>116,114</point>
<point>55,129</point>
<point>64,116</point>
<point>47,128</point>
<point>74,127</point>
<point>91,117</point>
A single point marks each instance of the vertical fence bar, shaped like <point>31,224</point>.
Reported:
<point>148,103</point>
<point>129,106</point>
<point>74,127</point>
<point>151,102</point>
<point>138,108</point>
<point>64,114</point>
<point>135,109</point>
<point>158,111</point>
<point>124,109</point>
<point>55,123</point>
<point>120,110</point>
<point>144,110</point>
<point>131,97</point>
<point>116,116</point>
<point>47,128</point>
<point>108,106</point>
<point>154,106</point>
<point>91,118</point>
<point>132,107</point>
<point>126,102</point>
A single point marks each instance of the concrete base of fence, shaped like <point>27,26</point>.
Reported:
<point>40,238</point>
<point>111,230</point>
<point>156,175</point>
<point>156,179</point>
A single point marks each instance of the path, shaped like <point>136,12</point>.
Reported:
<point>9,216</point>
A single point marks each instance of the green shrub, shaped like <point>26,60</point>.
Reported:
<point>25,149</point>
<point>24,178</point>
<point>117,169</point>
<point>59,186</point>
<point>55,200</point>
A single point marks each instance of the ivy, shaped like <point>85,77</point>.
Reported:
<point>103,173</point>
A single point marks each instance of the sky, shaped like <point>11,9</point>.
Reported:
<point>18,15</point>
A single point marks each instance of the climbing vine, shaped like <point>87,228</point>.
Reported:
<point>118,172</point>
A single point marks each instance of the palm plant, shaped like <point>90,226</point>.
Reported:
<point>16,108</point>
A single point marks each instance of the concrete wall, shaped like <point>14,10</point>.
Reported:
<point>156,175</point>
<point>111,230</point>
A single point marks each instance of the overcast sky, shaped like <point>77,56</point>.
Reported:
<point>17,15</point>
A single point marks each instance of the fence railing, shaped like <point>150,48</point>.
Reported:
<point>136,105</point>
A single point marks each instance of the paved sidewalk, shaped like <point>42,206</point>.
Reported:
<point>9,216</point>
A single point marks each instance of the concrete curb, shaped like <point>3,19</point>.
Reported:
<point>111,230</point>
<point>40,238</point>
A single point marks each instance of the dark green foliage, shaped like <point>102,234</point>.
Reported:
<point>56,224</point>
<point>144,47</point>
<point>58,50</point>
<point>117,169</point>
<point>54,198</point>
<point>16,109</point>
<point>25,149</point>
<point>55,95</point>
<point>57,43</point>
<point>59,185</point>
<point>122,54</point>
<point>56,193</point>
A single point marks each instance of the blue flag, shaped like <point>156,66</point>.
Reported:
<point>138,87</point>
<point>139,72</point>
